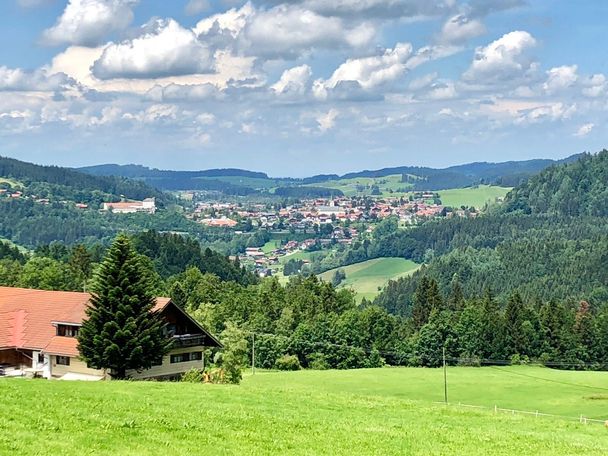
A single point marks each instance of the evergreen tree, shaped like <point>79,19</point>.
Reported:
<point>420,308</point>
<point>456,297</point>
<point>121,331</point>
<point>513,319</point>
<point>178,295</point>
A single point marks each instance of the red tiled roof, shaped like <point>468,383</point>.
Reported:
<point>27,316</point>
<point>65,346</point>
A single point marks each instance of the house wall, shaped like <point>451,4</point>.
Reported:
<point>76,366</point>
<point>167,369</point>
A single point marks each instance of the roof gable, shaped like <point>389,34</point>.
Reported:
<point>27,316</point>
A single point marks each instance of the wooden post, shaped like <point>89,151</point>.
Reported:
<point>253,356</point>
<point>445,378</point>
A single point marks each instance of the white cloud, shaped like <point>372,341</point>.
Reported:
<point>39,80</point>
<point>247,128</point>
<point>293,81</point>
<point>460,28</point>
<point>550,111</point>
<point>442,91</point>
<point>288,32</point>
<point>179,92</point>
<point>503,59</point>
<point>231,22</point>
<point>194,7</point>
<point>594,86</point>
<point>584,130</point>
<point>368,72</point>
<point>560,78</point>
<point>205,118</point>
<point>154,114</point>
<point>164,49</point>
<point>423,81</point>
<point>327,121</point>
<point>88,22</point>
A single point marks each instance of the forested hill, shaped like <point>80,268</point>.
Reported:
<point>575,189</point>
<point>549,241</point>
<point>65,183</point>
<point>242,182</point>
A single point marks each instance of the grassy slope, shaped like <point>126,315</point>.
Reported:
<point>365,278</point>
<point>349,186</point>
<point>473,196</point>
<point>331,412</point>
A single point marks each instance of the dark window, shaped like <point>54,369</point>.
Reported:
<point>185,357</point>
<point>63,360</point>
<point>40,358</point>
<point>67,330</point>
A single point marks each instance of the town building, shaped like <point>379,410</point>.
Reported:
<point>130,207</point>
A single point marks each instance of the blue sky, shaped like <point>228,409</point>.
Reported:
<point>299,87</point>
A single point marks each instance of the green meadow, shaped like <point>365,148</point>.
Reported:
<point>369,277</point>
<point>388,411</point>
<point>476,196</point>
<point>362,185</point>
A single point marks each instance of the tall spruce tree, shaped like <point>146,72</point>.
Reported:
<point>122,332</point>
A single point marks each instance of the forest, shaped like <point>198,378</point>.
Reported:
<point>548,240</point>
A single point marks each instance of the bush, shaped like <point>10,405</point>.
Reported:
<point>193,376</point>
<point>518,359</point>
<point>374,359</point>
<point>318,361</point>
<point>288,363</point>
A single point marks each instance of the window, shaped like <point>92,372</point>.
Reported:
<point>63,360</point>
<point>185,357</point>
<point>40,358</point>
<point>67,330</point>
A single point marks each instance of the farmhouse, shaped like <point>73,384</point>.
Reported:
<point>38,331</point>
<point>129,207</point>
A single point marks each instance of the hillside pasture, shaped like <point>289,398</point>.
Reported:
<point>376,411</point>
<point>367,277</point>
<point>360,186</point>
<point>476,196</point>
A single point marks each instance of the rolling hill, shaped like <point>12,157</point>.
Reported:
<point>366,279</point>
<point>243,182</point>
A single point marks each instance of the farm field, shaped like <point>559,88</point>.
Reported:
<point>365,278</point>
<point>472,196</point>
<point>373,411</point>
<point>351,187</point>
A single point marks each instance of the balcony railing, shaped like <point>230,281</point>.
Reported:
<point>188,340</point>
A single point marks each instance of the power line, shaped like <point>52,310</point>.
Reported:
<point>521,374</point>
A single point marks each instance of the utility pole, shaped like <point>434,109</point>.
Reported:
<point>253,356</point>
<point>445,378</point>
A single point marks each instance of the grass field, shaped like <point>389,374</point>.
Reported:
<point>365,278</point>
<point>375,412</point>
<point>13,183</point>
<point>271,245</point>
<point>385,184</point>
<point>472,196</point>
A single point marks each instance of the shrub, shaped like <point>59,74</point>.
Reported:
<point>193,376</point>
<point>374,359</point>
<point>518,359</point>
<point>318,361</point>
<point>288,363</point>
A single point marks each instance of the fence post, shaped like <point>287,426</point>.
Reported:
<point>495,409</point>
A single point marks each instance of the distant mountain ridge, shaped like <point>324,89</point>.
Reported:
<point>243,182</point>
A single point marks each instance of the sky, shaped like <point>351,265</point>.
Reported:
<point>301,87</point>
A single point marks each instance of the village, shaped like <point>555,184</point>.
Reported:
<point>316,224</point>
